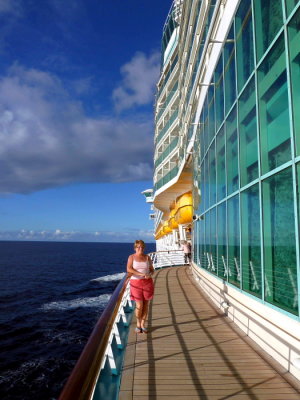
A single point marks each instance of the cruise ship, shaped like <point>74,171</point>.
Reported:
<point>226,180</point>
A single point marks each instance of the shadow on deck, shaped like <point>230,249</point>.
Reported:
<point>194,352</point>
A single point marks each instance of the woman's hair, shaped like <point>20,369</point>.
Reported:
<point>139,243</point>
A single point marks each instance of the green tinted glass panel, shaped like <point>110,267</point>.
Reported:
<point>250,236</point>
<point>213,241</point>
<point>233,241</point>
<point>268,21</point>
<point>229,72</point>
<point>232,153</point>
<point>206,182</point>
<point>222,240</point>
<point>219,93</point>
<point>248,134</point>
<point>207,241</point>
<point>212,174</point>
<point>279,241</point>
<point>211,113</point>
<point>290,5</point>
<point>273,109</point>
<point>244,43</point>
<point>221,172</point>
<point>201,233</point>
<point>202,187</point>
<point>294,47</point>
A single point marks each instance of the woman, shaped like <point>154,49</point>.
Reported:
<point>140,267</point>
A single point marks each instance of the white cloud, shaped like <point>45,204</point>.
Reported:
<point>77,236</point>
<point>47,140</point>
<point>138,85</point>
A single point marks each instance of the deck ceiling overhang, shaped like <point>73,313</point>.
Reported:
<point>165,199</point>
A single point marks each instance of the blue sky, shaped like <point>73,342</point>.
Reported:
<point>77,80</point>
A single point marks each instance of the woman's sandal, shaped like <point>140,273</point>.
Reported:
<point>144,330</point>
<point>138,330</point>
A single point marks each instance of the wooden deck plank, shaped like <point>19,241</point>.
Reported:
<point>193,352</point>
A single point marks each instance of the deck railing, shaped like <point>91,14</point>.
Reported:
<point>99,352</point>
<point>167,258</point>
<point>96,373</point>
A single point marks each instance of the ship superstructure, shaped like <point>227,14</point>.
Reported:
<point>227,160</point>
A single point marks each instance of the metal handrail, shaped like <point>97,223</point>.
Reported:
<point>82,381</point>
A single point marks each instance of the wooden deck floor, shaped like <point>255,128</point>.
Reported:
<point>193,352</point>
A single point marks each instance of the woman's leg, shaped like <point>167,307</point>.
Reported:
<point>144,314</point>
<point>139,312</point>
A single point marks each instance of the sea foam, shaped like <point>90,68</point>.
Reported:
<point>77,303</point>
<point>109,278</point>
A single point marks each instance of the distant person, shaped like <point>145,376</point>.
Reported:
<point>140,267</point>
<point>187,250</point>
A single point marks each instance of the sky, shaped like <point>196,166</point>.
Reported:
<point>77,85</point>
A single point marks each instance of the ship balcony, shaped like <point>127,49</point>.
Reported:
<point>167,76</point>
<point>163,105</point>
<point>170,124</point>
<point>167,177</point>
<point>166,150</point>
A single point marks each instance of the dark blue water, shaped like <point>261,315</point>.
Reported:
<point>52,295</point>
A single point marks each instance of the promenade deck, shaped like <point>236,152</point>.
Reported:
<point>194,352</point>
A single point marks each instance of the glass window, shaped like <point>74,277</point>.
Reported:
<point>205,125</point>
<point>202,187</point>
<point>213,241</point>
<point>222,241</point>
<point>248,134</point>
<point>268,21</point>
<point>294,40</point>
<point>290,5</point>
<point>232,153</point>
<point>274,109</point>
<point>206,182</point>
<point>279,241</point>
<point>244,43</point>
<point>221,173</point>
<point>207,240</point>
<point>201,249</point>
<point>211,113</point>
<point>229,71</point>
<point>212,174</point>
<point>250,235</point>
<point>219,93</point>
<point>234,275</point>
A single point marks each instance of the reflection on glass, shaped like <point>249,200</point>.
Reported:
<point>280,242</point>
<point>251,246</point>
<point>244,43</point>
<point>212,175</point>
<point>248,134</point>
<point>294,52</point>
<point>219,93</point>
<point>274,109</point>
<point>221,172</point>
<point>207,240</point>
<point>211,113</point>
<point>232,153</point>
<point>213,241</point>
<point>222,241</point>
<point>234,274</point>
<point>268,21</point>
<point>229,71</point>
<point>290,5</point>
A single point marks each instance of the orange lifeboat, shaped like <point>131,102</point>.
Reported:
<point>173,224</point>
<point>184,213</point>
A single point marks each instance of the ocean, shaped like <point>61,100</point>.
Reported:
<point>52,295</point>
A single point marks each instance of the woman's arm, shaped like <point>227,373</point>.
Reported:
<point>130,269</point>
